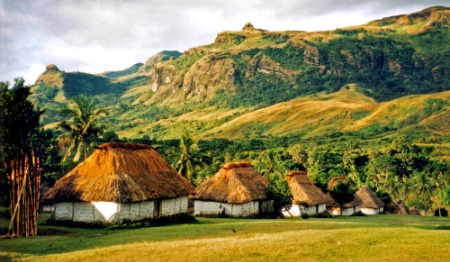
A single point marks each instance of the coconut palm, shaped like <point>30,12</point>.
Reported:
<point>424,187</point>
<point>81,128</point>
<point>189,158</point>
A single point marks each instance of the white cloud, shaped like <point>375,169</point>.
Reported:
<point>95,36</point>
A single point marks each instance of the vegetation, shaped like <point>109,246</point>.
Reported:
<point>342,193</point>
<point>81,129</point>
<point>22,150</point>
<point>189,158</point>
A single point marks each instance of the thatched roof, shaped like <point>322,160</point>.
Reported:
<point>402,208</point>
<point>331,203</point>
<point>235,183</point>
<point>121,172</point>
<point>333,181</point>
<point>304,190</point>
<point>368,198</point>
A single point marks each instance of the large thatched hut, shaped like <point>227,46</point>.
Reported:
<point>237,189</point>
<point>370,203</point>
<point>120,181</point>
<point>306,197</point>
<point>349,208</point>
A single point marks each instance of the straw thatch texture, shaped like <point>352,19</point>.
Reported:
<point>235,183</point>
<point>368,198</point>
<point>304,190</point>
<point>331,203</point>
<point>121,172</point>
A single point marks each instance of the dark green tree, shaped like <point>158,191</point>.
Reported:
<point>342,193</point>
<point>278,190</point>
<point>22,147</point>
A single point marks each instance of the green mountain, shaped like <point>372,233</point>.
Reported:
<point>387,77</point>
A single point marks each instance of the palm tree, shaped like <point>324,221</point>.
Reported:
<point>424,187</point>
<point>81,129</point>
<point>270,163</point>
<point>189,158</point>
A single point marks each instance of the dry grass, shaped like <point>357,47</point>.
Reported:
<point>310,112</point>
<point>316,115</point>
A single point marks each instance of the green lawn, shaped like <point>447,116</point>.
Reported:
<point>382,237</point>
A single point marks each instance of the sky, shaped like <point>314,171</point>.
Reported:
<point>94,36</point>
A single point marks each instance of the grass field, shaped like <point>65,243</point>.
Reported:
<point>377,238</point>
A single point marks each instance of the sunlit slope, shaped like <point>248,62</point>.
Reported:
<point>346,110</point>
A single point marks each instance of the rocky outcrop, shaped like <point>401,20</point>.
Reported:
<point>248,27</point>
<point>158,58</point>
<point>51,68</point>
<point>52,77</point>
<point>265,65</point>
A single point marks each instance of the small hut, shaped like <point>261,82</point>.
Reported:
<point>306,197</point>
<point>237,190</point>
<point>370,203</point>
<point>333,207</point>
<point>120,181</point>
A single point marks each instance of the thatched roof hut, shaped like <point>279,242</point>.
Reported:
<point>235,183</point>
<point>368,198</point>
<point>121,172</point>
<point>304,190</point>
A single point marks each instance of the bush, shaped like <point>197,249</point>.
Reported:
<point>359,213</point>
<point>325,214</point>
<point>304,215</point>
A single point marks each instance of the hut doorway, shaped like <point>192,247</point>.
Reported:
<point>157,209</point>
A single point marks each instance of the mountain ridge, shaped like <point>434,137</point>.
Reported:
<point>210,89</point>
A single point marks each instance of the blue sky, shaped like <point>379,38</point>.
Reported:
<point>101,35</point>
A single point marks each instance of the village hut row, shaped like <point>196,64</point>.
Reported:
<point>128,182</point>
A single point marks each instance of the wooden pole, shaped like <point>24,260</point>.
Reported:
<point>17,205</point>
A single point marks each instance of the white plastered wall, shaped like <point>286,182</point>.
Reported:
<point>312,210</point>
<point>210,208</point>
<point>110,212</point>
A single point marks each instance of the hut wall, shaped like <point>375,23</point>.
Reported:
<point>174,206</point>
<point>371,211</point>
<point>345,212</point>
<point>267,206</point>
<point>63,211</point>
<point>84,212</point>
<point>147,208</point>
<point>312,210</point>
<point>104,212</point>
<point>109,212</point>
<point>128,211</point>
<point>210,208</point>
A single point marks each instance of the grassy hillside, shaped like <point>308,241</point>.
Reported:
<point>343,111</point>
<point>383,237</point>
<point>386,77</point>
